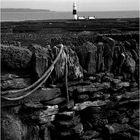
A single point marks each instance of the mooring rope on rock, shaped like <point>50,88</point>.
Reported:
<point>29,90</point>
<point>66,80</point>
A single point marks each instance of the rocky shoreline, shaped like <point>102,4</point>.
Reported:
<point>103,89</point>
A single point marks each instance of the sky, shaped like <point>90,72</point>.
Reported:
<point>66,5</point>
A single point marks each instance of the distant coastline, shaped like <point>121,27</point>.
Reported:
<point>24,10</point>
<point>20,14</point>
<point>47,10</point>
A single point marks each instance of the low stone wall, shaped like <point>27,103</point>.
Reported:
<point>103,92</point>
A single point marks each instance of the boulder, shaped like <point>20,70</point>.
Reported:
<point>40,59</point>
<point>74,67</point>
<point>15,57</point>
<point>100,58</point>
<point>108,53</point>
<point>87,57</point>
<point>75,71</point>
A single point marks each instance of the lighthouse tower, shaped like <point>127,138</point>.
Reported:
<point>75,11</point>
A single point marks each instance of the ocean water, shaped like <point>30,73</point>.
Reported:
<point>20,16</point>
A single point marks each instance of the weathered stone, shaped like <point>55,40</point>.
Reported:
<point>78,129</point>
<point>87,57</point>
<point>56,101</point>
<point>65,133</point>
<point>33,105</point>
<point>135,137</point>
<point>122,135</point>
<point>116,81</point>
<point>47,119</point>
<point>108,53</point>
<point>94,118</point>
<point>45,94</point>
<point>129,95</point>
<point>74,67</point>
<point>40,59</point>
<point>92,88</point>
<point>15,57</point>
<point>135,113</point>
<point>78,82</point>
<point>135,122</point>
<point>116,128</point>
<point>88,135</point>
<point>42,94</point>
<point>82,98</point>
<point>67,106</point>
<point>33,132</point>
<point>97,95</point>
<point>92,78</point>
<point>134,89</point>
<point>123,84</point>
<point>133,84</point>
<point>69,123</point>
<point>81,106</point>
<point>130,64</point>
<point>99,76</point>
<point>66,115</point>
<point>43,116</point>
<point>16,83</point>
<point>59,69</point>
<point>12,127</point>
<point>8,76</point>
<point>124,120</point>
<point>100,58</point>
<point>106,79</point>
<point>46,133</point>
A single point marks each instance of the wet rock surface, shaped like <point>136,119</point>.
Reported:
<point>103,99</point>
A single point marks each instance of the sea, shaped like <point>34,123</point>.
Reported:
<point>41,15</point>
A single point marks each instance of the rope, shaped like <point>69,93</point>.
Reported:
<point>37,84</point>
<point>66,80</point>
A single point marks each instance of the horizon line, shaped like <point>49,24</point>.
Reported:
<point>49,10</point>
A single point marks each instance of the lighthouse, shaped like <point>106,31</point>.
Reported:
<point>75,11</point>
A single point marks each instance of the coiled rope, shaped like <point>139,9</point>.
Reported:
<point>29,90</point>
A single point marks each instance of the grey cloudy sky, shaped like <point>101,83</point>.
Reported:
<point>66,5</point>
